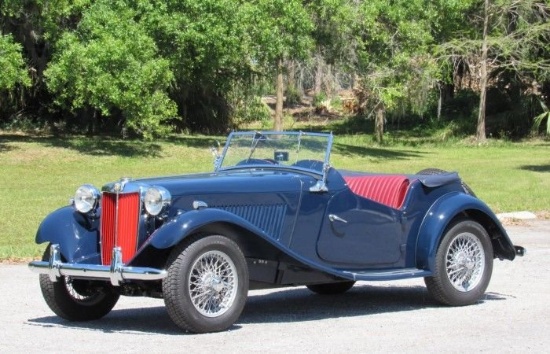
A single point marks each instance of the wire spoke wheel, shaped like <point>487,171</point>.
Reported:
<point>77,299</point>
<point>213,281</point>
<point>465,262</point>
<point>207,283</point>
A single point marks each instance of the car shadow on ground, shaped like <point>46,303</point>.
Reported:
<point>283,306</point>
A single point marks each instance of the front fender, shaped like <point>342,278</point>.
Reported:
<point>183,225</point>
<point>76,236</point>
<point>443,212</point>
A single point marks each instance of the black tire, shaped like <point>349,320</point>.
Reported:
<point>75,299</point>
<point>437,171</point>
<point>199,299</point>
<point>463,265</point>
<point>331,288</point>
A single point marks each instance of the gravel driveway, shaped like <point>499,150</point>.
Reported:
<point>372,317</point>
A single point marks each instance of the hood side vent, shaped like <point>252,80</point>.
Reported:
<point>268,218</point>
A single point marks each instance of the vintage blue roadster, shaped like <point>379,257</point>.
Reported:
<point>274,212</point>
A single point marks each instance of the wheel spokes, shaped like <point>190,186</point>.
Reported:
<point>465,262</point>
<point>212,283</point>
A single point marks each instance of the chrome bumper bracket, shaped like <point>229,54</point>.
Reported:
<point>116,273</point>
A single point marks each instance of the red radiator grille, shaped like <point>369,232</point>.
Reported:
<point>126,226</point>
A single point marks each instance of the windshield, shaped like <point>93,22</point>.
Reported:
<point>305,150</point>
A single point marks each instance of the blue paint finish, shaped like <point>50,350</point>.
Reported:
<point>76,235</point>
<point>187,223</point>
<point>370,235</point>
<point>178,228</point>
<point>228,183</point>
<point>268,218</point>
<point>438,217</point>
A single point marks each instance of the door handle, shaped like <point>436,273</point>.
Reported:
<point>334,218</point>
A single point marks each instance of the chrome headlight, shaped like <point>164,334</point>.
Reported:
<point>156,200</point>
<point>86,198</point>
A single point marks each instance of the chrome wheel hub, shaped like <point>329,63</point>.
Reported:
<point>213,283</point>
<point>465,262</point>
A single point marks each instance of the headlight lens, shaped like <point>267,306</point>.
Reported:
<point>156,200</point>
<point>86,198</point>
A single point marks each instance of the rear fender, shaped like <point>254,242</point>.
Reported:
<point>76,235</point>
<point>443,212</point>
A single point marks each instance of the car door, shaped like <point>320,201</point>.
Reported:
<point>361,233</point>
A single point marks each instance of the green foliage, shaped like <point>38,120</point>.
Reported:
<point>333,32</point>
<point>319,99</point>
<point>277,29</point>
<point>544,117</point>
<point>292,96</point>
<point>111,63</point>
<point>13,66</point>
<point>394,39</point>
<point>154,65</point>
<point>249,110</point>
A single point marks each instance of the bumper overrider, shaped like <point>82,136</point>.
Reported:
<point>117,273</point>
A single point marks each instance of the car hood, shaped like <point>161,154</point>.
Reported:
<point>250,181</point>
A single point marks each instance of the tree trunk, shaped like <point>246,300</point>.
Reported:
<point>278,124</point>
<point>329,81</point>
<point>440,100</point>
<point>318,75</point>
<point>480,132</point>
<point>379,123</point>
<point>291,74</point>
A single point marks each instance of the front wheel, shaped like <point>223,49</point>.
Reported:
<point>207,284</point>
<point>77,299</point>
<point>463,265</point>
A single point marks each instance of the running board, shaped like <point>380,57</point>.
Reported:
<point>392,274</point>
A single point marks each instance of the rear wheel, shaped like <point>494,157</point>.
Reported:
<point>207,284</point>
<point>77,299</point>
<point>463,265</point>
<point>331,288</point>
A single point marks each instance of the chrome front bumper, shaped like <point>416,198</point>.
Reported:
<point>116,272</point>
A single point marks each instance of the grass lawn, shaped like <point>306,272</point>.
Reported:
<point>40,174</point>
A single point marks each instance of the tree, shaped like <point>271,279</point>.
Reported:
<point>393,42</point>
<point>279,30</point>
<point>110,64</point>
<point>513,44</point>
<point>334,22</point>
<point>11,61</point>
<point>205,42</point>
<point>13,66</point>
<point>36,25</point>
<point>480,131</point>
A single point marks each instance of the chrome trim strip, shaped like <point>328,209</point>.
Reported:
<point>117,273</point>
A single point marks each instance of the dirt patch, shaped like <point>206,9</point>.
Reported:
<point>514,222</point>
<point>12,261</point>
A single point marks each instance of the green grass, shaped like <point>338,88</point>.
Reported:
<point>40,174</point>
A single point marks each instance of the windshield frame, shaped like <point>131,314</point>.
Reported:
<point>256,136</point>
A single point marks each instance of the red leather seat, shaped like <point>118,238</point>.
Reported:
<point>389,190</point>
